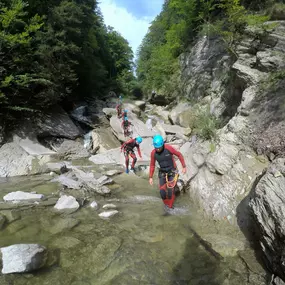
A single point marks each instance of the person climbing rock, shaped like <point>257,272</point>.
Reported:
<point>168,173</point>
<point>119,107</point>
<point>128,148</point>
<point>125,113</point>
<point>126,126</point>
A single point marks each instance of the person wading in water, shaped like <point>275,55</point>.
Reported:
<point>168,173</point>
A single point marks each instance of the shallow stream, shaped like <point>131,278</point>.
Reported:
<point>140,245</point>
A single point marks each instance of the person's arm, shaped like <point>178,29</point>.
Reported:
<point>177,153</point>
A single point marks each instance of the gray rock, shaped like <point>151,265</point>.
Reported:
<point>223,158</point>
<point>94,205</point>
<point>177,130</point>
<point>56,123</point>
<point>109,206</point>
<point>20,258</point>
<point>66,202</point>
<point>32,146</point>
<point>22,196</point>
<point>15,161</point>
<point>68,182</point>
<point>104,180</point>
<point>108,214</point>
<point>198,159</point>
<point>267,206</point>
<point>70,150</point>
<point>140,104</point>
<point>176,111</point>
<point>109,112</point>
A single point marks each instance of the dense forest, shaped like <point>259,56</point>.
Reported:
<point>182,21</point>
<point>58,51</point>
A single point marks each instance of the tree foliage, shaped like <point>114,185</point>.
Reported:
<point>178,25</point>
<point>55,50</point>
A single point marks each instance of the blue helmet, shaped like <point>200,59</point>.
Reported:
<point>125,111</point>
<point>138,140</point>
<point>120,97</point>
<point>158,141</point>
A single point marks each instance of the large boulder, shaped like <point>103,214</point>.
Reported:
<point>15,161</point>
<point>70,150</point>
<point>176,111</point>
<point>21,258</point>
<point>267,206</point>
<point>32,146</point>
<point>56,123</point>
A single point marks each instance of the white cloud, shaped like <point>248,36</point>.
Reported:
<point>130,27</point>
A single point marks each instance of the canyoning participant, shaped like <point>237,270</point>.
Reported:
<point>125,113</point>
<point>168,173</point>
<point>128,148</point>
<point>126,126</point>
<point>119,107</point>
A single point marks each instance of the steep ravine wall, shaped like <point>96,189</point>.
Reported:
<point>244,90</point>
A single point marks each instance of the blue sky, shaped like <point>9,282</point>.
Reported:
<point>131,18</point>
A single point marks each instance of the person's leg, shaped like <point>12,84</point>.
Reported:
<point>162,188</point>
<point>169,189</point>
<point>133,156</point>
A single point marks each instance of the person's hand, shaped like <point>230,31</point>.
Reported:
<point>184,170</point>
<point>140,157</point>
<point>150,181</point>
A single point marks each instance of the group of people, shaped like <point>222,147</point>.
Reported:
<point>162,153</point>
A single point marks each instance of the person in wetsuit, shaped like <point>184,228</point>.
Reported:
<point>125,113</point>
<point>128,148</point>
<point>126,125</point>
<point>168,173</point>
<point>119,107</point>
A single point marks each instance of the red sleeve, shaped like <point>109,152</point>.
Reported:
<point>152,164</point>
<point>127,142</point>
<point>177,153</point>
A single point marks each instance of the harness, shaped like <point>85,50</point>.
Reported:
<point>170,184</point>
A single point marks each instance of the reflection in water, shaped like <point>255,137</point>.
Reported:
<point>141,245</point>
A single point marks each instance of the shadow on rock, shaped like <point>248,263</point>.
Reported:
<point>248,227</point>
<point>197,266</point>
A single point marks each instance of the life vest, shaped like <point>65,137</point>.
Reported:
<point>165,160</point>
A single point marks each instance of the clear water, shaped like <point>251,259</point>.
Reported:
<point>141,245</point>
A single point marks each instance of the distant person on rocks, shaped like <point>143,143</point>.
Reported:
<point>125,113</point>
<point>128,148</point>
<point>126,124</point>
<point>168,172</point>
<point>119,107</point>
